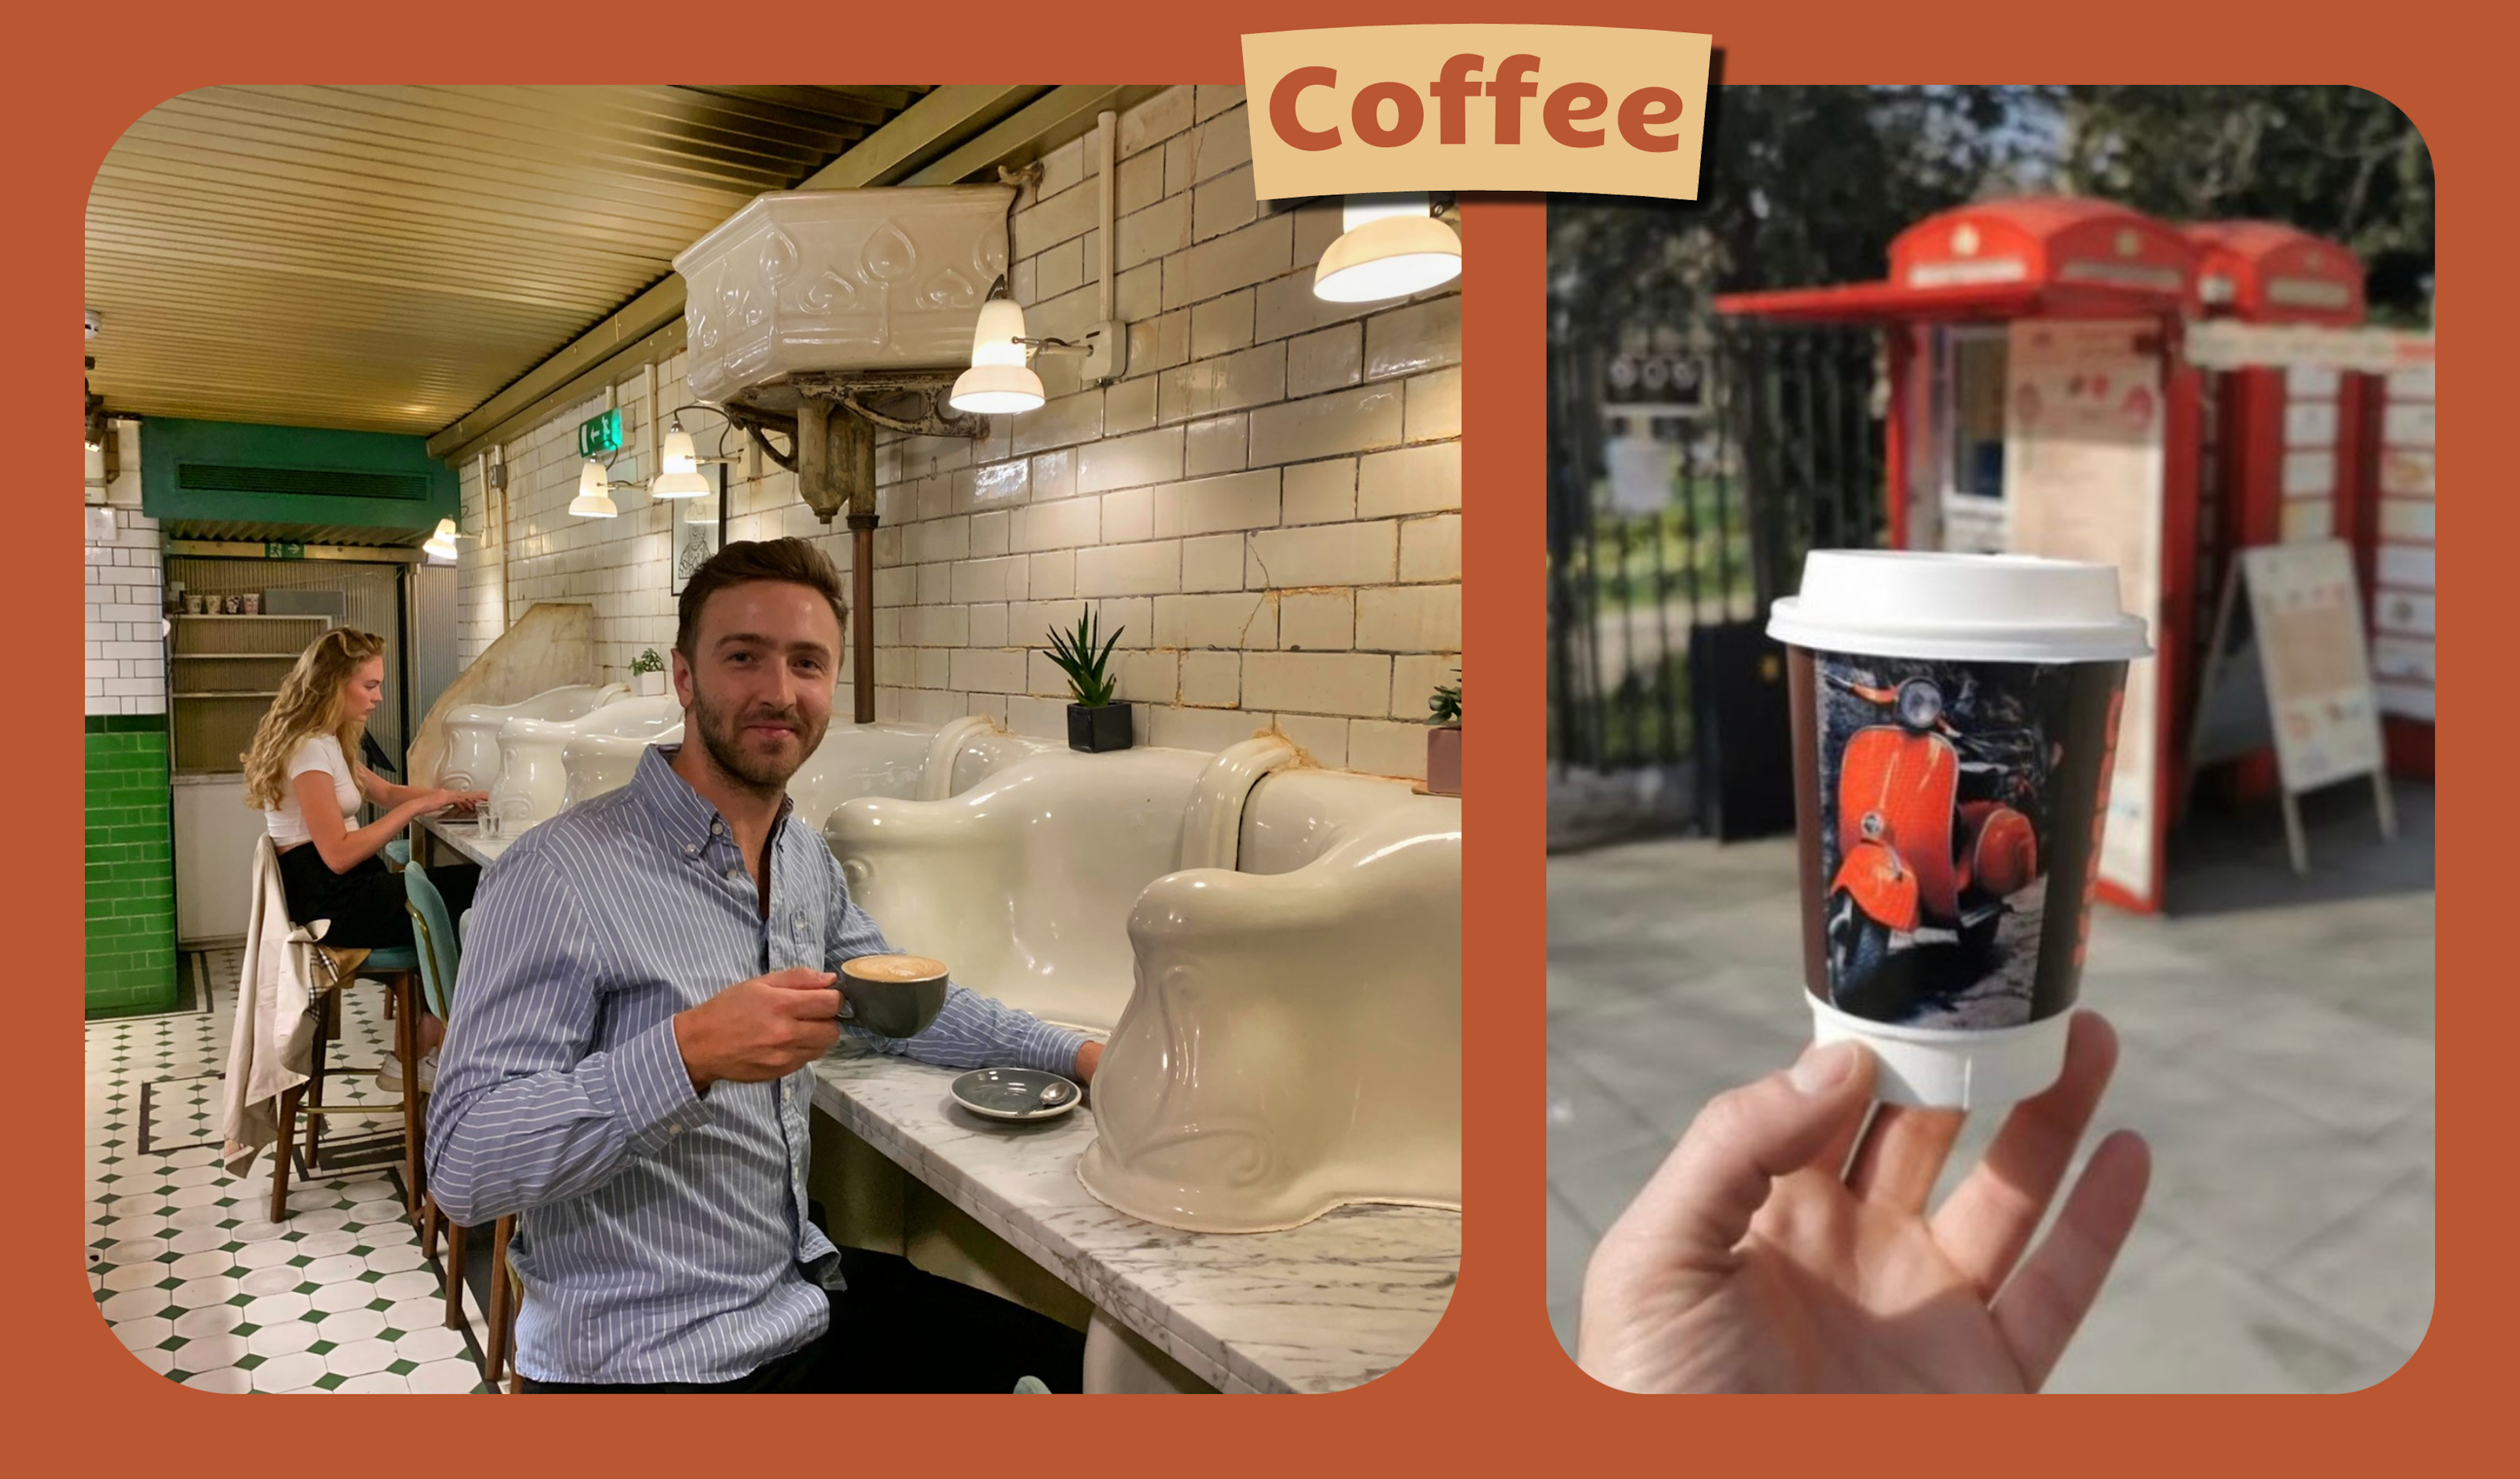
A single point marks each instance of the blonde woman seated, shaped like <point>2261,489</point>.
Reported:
<point>301,773</point>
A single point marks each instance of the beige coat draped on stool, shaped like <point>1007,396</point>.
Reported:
<point>271,1047</point>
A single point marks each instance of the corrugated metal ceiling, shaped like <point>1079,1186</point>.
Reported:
<point>222,530</point>
<point>386,258</point>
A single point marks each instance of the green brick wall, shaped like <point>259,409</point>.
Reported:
<point>130,866</point>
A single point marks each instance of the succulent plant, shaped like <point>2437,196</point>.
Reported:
<point>1089,670</point>
<point>1445,708</point>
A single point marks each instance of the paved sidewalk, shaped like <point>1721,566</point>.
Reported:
<point>2278,1054</point>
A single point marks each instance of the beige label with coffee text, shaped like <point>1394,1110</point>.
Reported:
<point>1589,110</point>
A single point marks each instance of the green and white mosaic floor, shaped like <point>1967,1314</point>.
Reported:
<point>197,1282</point>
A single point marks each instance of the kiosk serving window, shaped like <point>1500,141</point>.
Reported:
<point>1970,365</point>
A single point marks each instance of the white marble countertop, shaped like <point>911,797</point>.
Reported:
<point>466,838</point>
<point>1319,1308</point>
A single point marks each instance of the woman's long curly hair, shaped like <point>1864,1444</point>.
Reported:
<point>309,704</point>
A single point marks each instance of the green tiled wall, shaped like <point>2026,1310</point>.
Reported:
<point>130,866</point>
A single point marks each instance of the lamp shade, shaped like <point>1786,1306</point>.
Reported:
<point>441,544</point>
<point>680,455</point>
<point>999,380</point>
<point>1392,248</point>
<point>678,485</point>
<point>594,500</point>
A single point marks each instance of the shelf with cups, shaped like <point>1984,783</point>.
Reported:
<point>223,670</point>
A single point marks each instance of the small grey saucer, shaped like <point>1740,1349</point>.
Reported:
<point>1015,1093</point>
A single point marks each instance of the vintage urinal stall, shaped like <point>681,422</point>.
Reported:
<point>1275,952</point>
<point>1295,1039</point>
<point>898,760</point>
<point>1022,884</point>
<point>901,760</point>
<point>473,760</point>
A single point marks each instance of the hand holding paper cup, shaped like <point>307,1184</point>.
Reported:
<point>1954,718</point>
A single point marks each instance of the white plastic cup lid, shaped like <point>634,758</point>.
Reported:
<point>1982,608</point>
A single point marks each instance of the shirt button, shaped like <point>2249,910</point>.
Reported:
<point>717,828</point>
<point>673,1128</point>
<point>733,874</point>
<point>691,847</point>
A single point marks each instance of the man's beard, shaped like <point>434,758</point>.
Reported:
<point>722,735</point>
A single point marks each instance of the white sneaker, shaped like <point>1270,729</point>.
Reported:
<point>389,1073</point>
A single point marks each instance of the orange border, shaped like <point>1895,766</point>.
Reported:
<point>1489,1385</point>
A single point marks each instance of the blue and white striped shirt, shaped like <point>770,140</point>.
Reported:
<point>664,1234</point>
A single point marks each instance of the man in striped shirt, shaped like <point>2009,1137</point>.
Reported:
<point>645,982</point>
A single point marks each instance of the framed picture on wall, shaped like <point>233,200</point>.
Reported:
<point>699,531</point>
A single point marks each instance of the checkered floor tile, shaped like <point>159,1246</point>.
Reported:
<point>188,1269</point>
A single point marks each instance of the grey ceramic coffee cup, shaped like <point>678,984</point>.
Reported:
<point>893,996</point>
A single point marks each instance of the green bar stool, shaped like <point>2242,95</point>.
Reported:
<point>440,946</point>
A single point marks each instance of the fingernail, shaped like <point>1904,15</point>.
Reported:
<point>1822,1066</point>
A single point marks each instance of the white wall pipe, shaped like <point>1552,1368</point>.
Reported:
<point>1107,140</point>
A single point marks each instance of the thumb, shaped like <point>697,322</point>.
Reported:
<point>1698,1206</point>
<point>801,978</point>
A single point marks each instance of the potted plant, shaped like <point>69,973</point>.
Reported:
<point>648,673</point>
<point>1095,723</point>
<point>1444,741</point>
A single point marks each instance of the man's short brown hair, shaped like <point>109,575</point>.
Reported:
<point>745,560</point>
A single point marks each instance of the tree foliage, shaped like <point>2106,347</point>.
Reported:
<point>2335,161</point>
<point>1808,184</point>
<point>1800,185</point>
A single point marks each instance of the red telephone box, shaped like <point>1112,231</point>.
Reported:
<point>2283,446</point>
<point>2393,532</point>
<point>2040,403</point>
<point>2318,451</point>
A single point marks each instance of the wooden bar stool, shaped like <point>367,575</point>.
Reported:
<point>397,970</point>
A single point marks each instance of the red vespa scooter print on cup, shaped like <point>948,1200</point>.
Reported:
<point>1953,727</point>
<point>1920,855</point>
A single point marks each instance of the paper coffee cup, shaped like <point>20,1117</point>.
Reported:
<point>1955,719</point>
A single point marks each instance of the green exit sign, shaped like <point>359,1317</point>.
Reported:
<point>600,434</point>
<point>276,550</point>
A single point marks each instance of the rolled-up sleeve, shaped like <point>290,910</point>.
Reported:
<point>523,1115</point>
<point>973,1031</point>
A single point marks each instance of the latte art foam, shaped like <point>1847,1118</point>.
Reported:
<point>887,967</point>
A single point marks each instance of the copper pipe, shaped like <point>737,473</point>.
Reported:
<point>862,601</point>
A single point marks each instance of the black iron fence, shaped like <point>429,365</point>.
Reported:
<point>1667,540</point>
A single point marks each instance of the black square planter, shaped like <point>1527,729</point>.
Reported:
<point>1096,730</point>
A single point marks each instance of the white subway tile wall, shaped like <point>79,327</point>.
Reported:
<point>1268,501</point>
<point>125,639</point>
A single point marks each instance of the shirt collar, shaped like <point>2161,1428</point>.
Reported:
<point>678,808</point>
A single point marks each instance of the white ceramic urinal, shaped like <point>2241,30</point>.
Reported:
<point>859,760</point>
<point>1294,1041</point>
<point>1211,833</point>
<point>533,753</point>
<point>1022,885</point>
<point>936,772</point>
<point>600,763</point>
<point>601,752</point>
<point>473,760</point>
<point>984,753</point>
